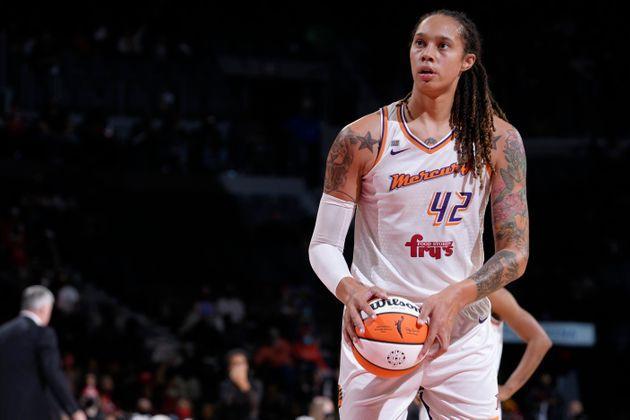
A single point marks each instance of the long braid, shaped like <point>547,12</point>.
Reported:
<point>473,105</point>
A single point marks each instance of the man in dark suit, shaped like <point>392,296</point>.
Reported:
<point>30,365</point>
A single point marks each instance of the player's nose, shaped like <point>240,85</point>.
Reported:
<point>428,54</point>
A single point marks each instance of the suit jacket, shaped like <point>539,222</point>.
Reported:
<point>30,367</point>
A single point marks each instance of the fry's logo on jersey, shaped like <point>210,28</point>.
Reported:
<point>419,249</point>
<point>404,180</point>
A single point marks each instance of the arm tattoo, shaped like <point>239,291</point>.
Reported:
<point>501,269</point>
<point>368,142</point>
<point>515,171</point>
<point>510,219</point>
<point>340,158</point>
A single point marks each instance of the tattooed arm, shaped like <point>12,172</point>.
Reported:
<point>510,217</point>
<point>351,156</point>
<point>511,234</point>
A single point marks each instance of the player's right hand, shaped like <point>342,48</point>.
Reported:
<point>355,295</point>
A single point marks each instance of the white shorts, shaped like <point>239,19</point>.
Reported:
<point>460,384</point>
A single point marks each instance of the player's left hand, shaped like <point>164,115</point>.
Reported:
<point>439,311</point>
<point>504,393</point>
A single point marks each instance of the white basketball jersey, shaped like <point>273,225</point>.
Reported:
<point>497,336</point>
<point>419,220</point>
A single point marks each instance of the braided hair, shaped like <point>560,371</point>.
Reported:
<point>473,105</point>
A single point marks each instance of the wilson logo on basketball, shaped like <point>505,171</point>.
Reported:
<point>384,303</point>
<point>420,249</point>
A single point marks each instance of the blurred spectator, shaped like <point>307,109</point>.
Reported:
<point>568,388</point>
<point>511,411</point>
<point>92,408</point>
<point>322,408</point>
<point>231,306</point>
<point>240,394</point>
<point>90,391</point>
<point>545,403</point>
<point>307,348</point>
<point>207,411</point>
<point>277,354</point>
<point>107,391</point>
<point>275,359</point>
<point>67,299</point>
<point>184,409</point>
<point>144,409</point>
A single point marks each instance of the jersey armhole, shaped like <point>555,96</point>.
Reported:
<point>383,142</point>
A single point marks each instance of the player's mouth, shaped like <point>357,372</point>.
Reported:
<point>426,73</point>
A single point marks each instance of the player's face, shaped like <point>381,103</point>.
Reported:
<point>437,54</point>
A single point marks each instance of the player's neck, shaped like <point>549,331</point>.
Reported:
<point>430,111</point>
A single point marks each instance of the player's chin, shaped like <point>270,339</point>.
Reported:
<point>432,85</point>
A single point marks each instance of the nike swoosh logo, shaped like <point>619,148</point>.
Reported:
<point>481,321</point>
<point>395,152</point>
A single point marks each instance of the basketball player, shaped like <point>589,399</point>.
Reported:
<point>506,309</point>
<point>420,172</point>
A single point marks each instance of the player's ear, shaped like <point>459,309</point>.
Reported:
<point>468,62</point>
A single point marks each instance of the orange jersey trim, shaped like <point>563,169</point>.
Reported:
<point>383,142</point>
<point>413,140</point>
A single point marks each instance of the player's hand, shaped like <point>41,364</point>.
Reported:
<point>504,393</point>
<point>355,295</point>
<point>439,312</point>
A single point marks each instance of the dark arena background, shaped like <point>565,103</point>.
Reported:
<point>162,164</point>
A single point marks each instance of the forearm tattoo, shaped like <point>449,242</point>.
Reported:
<point>510,218</point>
<point>341,156</point>
<point>498,271</point>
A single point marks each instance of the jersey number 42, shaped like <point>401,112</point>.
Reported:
<point>446,212</point>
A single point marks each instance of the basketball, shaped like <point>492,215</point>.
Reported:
<point>392,341</point>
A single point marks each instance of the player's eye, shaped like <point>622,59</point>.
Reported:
<point>419,42</point>
<point>444,45</point>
